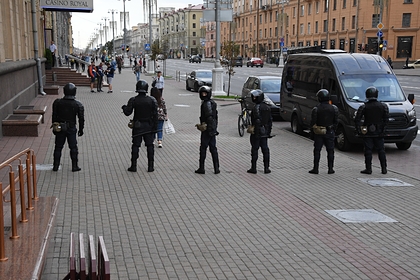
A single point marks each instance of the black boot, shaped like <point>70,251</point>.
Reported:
<point>315,169</point>
<point>200,170</point>
<point>133,167</point>
<point>216,168</point>
<point>383,168</point>
<point>74,167</point>
<point>267,164</point>
<point>367,170</point>
<point>56,165</point>
<point>215,157</point>
<point>253,169</point>
<point>150,167</point>
<point>331,164</point>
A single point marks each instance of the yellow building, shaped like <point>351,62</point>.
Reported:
<point>352,25</point>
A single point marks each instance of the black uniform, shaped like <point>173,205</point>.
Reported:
<point>376,116</point>
<point>325,115</point>
<point>65,111</point>
<point>262,121</point>
<point>145,122</point>
<point>208,118</point>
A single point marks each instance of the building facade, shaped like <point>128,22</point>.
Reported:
<point>182,31</point>
<point>17,50</point>
<point>260,26</point>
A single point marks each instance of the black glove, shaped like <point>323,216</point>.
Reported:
<point>123,107</point>
<point>80,133</point>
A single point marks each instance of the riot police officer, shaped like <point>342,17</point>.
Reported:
<point>208,127</point>
<point>64,114</point>
<point>324,121</point>
<point>144,124</point>
<point>376,116</point>
<point>262,123</point>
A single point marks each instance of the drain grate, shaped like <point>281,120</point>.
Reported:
<point>385,182</point>
<point>360,216</point>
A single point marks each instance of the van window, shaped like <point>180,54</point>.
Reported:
<point>354,87</point>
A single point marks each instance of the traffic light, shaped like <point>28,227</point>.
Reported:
<point>359,47</point>
<point>127,49</point>
<point>380,45</point>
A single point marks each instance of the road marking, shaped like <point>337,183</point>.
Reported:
<point>181,105</point>
<point>185,94</point>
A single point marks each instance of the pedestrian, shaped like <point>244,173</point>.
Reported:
<point>53,49</point>
<point>144,124</point>
<point>262,123</point>
<point>208,127</point>
<point>324,122</point>
<point>92,75</point>
<point>406,62</point>
<point>389,61</point>
<point>144,64</point>
<point>64,113</point>
<point>371,120</point>
<point>99,77</point>
<point>162,114</point>
<point>110,70</point>
<point>159,81</point>
<point>85,59</point>
<point>137,70</point>
<point>119,63</point>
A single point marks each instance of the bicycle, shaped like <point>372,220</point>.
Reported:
<point>244,118</point>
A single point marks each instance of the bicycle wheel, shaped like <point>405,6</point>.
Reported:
<point>241,125</point>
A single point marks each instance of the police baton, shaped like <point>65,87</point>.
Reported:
<point>147,132</point>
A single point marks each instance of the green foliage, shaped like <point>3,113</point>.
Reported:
<point>156,50</point>
<point>48,56</point>
<point>229,52</point>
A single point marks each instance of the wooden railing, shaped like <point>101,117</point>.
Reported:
<point>25,175</point>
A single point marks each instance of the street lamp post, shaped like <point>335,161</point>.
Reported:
<point>113,26</point>
<point>105,19</point>
<point>281,61</point>
<point>100,31</point>
<point>125,29</point>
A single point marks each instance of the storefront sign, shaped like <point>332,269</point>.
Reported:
<point>85,6</point>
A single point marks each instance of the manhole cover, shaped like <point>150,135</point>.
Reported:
<point>181,105</point>
<point>360,216</point>
<point>385,182</point>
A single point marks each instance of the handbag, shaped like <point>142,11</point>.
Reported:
<point>168,127</point>
<point>319,130</point>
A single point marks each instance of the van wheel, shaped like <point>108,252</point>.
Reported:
<point>403,145</point>
<point>296,126</point>
<point>342,141</point>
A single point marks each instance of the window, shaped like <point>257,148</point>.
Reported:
<point>194,34</point>
<point>193,25</point>
<point>309,28</point>
<point>333,25</point>
<point>344,4</point>
<point>353,22</point>
<point>270,34</point>
<point>276,32</point>
<point>325,6</point>
<point>277,16</point>
<point>302,10</point>
<point>193,16</point>
<point>194,42</point>
<point>211,37</point>
<point>294,12</point>
<point>308,43</point>
<point>325,25</point>
<point>271,16</point>
<point>408,1</point>
<point>317,7</point>
<point>309,8</point>
<point>354,3</point>
<point>343,23</point>
<point>265,32</point>
<point>406,20</point>
<point>375,20</point>
<point>302,29</point>
<point>316,27</point>
<point>260,18</point>
<point>335,5</point>
<point>293,30</point>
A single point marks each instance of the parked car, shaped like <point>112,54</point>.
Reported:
<point>255,61</point>
<point>414,65</point>
<point>270,85</point>
<point>199,78</point>
<point>238,61</point>
<point>195,58</point>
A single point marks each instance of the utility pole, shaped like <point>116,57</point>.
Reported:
<point>125,28</point>
<point>105,19</point>
<point>113,27</point>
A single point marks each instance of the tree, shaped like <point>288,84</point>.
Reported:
<point>229,52</point>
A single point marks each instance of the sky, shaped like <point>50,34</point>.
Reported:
<point>84,24</point>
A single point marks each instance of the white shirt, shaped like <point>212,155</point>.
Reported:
<point>160,82</point>
<point>53,48</point>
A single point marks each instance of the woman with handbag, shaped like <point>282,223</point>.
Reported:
<point>162,114</point>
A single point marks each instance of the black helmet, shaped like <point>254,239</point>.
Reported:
<point>70,89</point>
<point>257,96</point>
<point>142,86</point>
<point>205,89</point>
<point>323,95</point>
<point>371,93</point>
